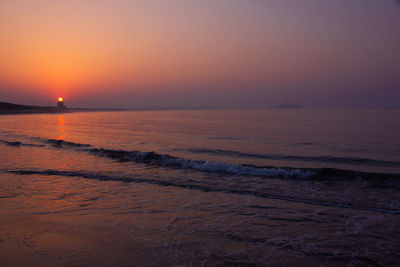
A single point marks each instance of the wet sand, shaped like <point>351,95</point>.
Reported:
<point>70,221</point>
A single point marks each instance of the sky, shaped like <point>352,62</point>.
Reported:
<point>201,54</point>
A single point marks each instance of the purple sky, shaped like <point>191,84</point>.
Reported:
<point>208,53</point>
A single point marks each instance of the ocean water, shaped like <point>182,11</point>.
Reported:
<point>201,187</point>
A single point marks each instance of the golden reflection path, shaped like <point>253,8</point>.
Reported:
<point>61,129</point>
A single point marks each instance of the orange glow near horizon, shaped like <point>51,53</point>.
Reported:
<point>60,99</point>
<point>133,53</point>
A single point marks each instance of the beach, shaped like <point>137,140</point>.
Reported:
<point>70,221</point>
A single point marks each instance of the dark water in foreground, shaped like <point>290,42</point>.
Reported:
<point>201,188</point>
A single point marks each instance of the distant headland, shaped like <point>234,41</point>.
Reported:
<point>10,108</point>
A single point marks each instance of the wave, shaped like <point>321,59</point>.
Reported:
<point>168,161</point>
<point>196,186</point>
<point>165,160</point>
<point>59,143</point>
<point>331,159</point>
<point>17,143</point>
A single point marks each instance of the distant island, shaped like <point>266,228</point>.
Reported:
<point>10,108</point>
<point>288,106</point>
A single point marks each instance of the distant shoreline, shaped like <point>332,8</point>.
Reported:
<point>15,109</point>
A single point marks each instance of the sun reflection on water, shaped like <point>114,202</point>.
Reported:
<point>61,129</point>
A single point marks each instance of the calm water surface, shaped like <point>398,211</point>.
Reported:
<point>201,187</point>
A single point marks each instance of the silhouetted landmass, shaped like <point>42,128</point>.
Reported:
<point>287,106</point>
<point>9,108</point>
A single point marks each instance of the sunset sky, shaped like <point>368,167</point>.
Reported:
<point>204,53</point>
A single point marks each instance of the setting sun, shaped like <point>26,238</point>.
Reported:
<point>60,99</point>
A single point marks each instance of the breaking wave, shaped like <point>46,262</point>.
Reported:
<point>165,160</point>
<point>169,161</point>
<point>345,160</point>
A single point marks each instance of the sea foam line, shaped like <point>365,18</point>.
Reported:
<point>343,160</point>
<point>166,160</point>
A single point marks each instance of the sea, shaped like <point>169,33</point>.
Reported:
<point>201,188</point>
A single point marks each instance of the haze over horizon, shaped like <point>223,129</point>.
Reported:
<point>226,53</point>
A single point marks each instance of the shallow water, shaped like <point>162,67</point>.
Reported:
<point>220,187</point>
